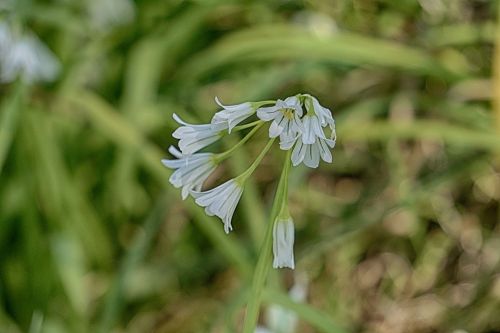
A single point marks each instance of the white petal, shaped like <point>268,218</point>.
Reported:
<point>287,142</point>
<point>308,135</point>
<point>324,151</point>
<point>311,158</point>
<point>275,130</point>
<point>267,113</point>
<point>316,127</point>
<point>185,192</point>
<point>298,153</point>
<point>174,151</point>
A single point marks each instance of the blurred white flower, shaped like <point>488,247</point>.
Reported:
<point>285,116</point>
<point>195,137</point>
<point>281,320</point>
<point>191,170</point>
<point>283,238</point>
<point>221,201</point>
<point>26,57</point>
<point>106,14</point>
<point>7,5</point>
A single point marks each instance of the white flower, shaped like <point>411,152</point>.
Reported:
<point>28,58</point>
<point>232,115</point>
<point>282,320</point>
<point>285,116</point>
<point>283,237</point>
<point>195,137</point>
<point>325,115</point>
<point>191,171</point>
<point>316,118</point>
<point>310,153</point>
<point>221,201</point>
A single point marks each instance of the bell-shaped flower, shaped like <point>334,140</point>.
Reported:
<point>191,171</point>
<point>315,119</point>
<point>28,58</point>
<point>232,115</point>
<point>195,137</point>
<point>311,153</point>
<point>285,115</point>
<point>221,201</point>
<point>283,238</point>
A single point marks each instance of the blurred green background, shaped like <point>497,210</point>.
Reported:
<point>400,233</point>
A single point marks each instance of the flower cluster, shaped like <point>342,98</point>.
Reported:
<point>305,129</point>
<point>25,56</point>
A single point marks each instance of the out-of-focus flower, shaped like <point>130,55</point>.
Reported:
<point>25,57</point>
<point>281,320</point>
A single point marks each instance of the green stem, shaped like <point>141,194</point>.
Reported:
<point>264,262</point>
<point>222,156</point>
<point>242,127</point>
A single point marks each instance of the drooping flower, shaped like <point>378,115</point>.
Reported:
<point>191,171</point>
<point>232,115</point>
<point>221,201</point>
<point>28,58</point>
<point>283,238</point>
<point>285,115</point>
<point>195,137</point>
<point>315,119</point>
<point>312,105</point>
<point>311,153</point>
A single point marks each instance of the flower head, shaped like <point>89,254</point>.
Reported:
<point>191,171</point>
<point>304,136</point>
<point>285,116</point>
<point>195,137</point>
<point>221,201</point>
<point>283,238</point>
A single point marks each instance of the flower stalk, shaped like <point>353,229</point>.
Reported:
<point>263,263</point>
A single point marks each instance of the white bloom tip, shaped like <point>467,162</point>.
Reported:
<point>283,238</point>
